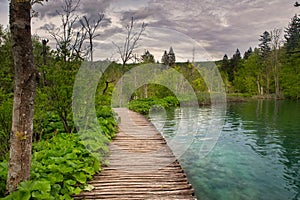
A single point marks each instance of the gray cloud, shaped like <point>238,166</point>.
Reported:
<point>90,8</point>
<point>224,25</point>
<point>3,12</point>
<point>48,26</point>
<point>219,26</point>
<point>105,34</point>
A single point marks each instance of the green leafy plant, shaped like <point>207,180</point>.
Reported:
<point>143,106</point>
<point>3,177</point>
<point>106,119</point>
<point>60,167</point>
<point>31,190</point>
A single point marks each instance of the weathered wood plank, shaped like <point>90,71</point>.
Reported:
<point>142,166</point>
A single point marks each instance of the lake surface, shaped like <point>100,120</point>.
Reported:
<point>256,156</point>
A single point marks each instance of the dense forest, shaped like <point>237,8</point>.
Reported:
<point>271,70</point>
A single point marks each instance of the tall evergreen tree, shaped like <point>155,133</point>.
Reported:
<point>147,57</point>
<point>237,55</point>
<point>248,53</point>
<point>225,64</point>
<point>265,40</point>
<point>265,48</point>
<point>165,59</point>
<point>292,35</point>
<point>235,62</point>
<point>171,57</point>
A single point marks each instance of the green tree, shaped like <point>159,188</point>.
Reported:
<point>6,89</point>
<point>6,62</point>
<point>55,98</point>
<point>171,57</point>
<point>292,35</point>
<point>165,59</point>
<point>248,77</point>
<point>265,40</point>
<point>225,66</point>
<point>289,77</point>
<point>234,64</point>
<point>265,49</point>
<point>147,57</point>
<point>248,53</point>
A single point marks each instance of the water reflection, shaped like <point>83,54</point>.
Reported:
<point>256,157</point>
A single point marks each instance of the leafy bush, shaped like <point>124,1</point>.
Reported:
<point>31,190</point>
<point>106,119</point>
<point>47,123</point>
<point>143,106</point>
<point>3,176</point>
<point>171,101</point>
<point>60,167</point>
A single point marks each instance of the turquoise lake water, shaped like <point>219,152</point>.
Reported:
<point>256,156</point>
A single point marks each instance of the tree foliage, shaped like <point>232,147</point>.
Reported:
<point>169,58</point>
<point>248,53</point>
<point>6,89</point>
<point>264,45</point>
<point>292,35</point>
<point>165,58</point>
<point>147,57</point>
<point>272,68</point>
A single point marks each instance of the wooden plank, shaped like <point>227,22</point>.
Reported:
<point>142,166</point>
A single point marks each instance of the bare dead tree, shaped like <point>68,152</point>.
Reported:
<point>78,44</point>
<point>68,42</point>
<point>275,43</point>
<point>90,26</point>
<point>126,50</point>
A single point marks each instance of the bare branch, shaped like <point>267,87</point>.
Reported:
<point>90,28</point>
<point>68,40</point>
<point>126,50</point>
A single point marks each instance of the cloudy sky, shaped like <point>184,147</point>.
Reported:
<point>203,29</point>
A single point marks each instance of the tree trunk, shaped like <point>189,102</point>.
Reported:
<point>145,90</point>
<point>276,77</point>
<point>24,94</point>
<point>268,81</point>
<point>121,87</point>
<point>258,85</point>
<point>64,118</point>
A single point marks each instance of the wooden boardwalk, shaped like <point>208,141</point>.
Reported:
<point>142,166</point>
